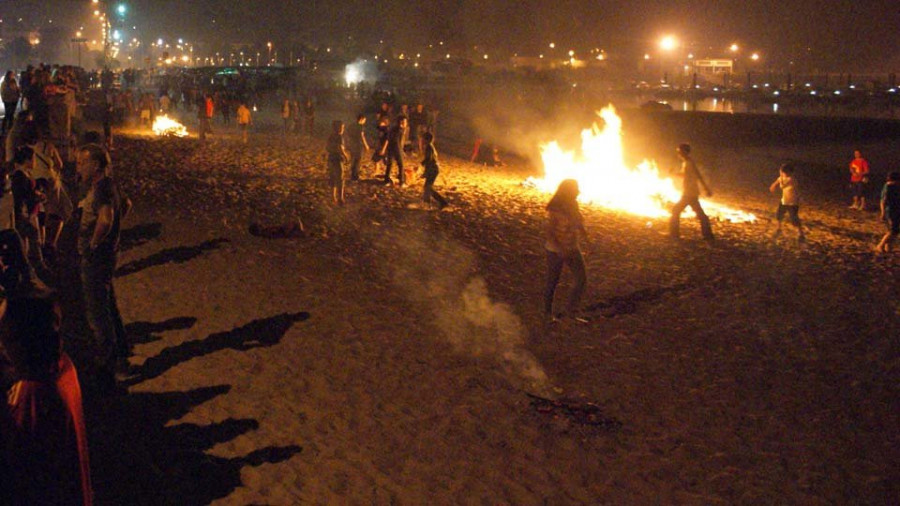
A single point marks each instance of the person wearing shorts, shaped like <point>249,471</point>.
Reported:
<point>859,176</point>
<point>790,200</point>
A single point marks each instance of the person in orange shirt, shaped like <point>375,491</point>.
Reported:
<point>859,176</point>
<point>244,120</point>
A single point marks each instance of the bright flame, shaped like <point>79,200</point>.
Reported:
<point>164,125</point>
<point>604,179</point>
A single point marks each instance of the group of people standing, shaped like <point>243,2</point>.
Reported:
<point>46,190</point>
<point>389,149</point>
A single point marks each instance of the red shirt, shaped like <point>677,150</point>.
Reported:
<point>859,169</point>
<point>48,441</point>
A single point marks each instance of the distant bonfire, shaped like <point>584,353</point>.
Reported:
<point>166,126</point>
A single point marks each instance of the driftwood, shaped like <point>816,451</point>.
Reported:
<point>584,413</point>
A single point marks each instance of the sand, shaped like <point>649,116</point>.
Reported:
<point>387,358</point>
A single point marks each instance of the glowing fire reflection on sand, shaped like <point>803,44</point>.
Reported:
<point>605,180</point>
<point>164,125</point>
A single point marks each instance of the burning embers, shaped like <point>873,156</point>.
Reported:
<point>166,126</point>
<point>604,179</point>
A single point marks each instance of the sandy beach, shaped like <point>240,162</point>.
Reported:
<point>397,355</point>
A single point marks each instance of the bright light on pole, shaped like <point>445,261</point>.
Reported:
<point>734,48</point>
<point>754,56</point>
<point>121,9</point>
<point>668,43</point>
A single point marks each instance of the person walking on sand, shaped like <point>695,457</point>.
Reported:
<point>690,195</point>
<point>337,156</point>
<point>564,230</point>
<point>859,176</point>
<point>790,200</point>
<point>430,162</point>
<point>393,151</point>
<point>244,120</point>
<point>890,211</point>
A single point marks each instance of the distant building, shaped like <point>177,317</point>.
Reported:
<point>716,71</point>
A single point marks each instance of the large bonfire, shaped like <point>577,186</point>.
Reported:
<point>605,179</point>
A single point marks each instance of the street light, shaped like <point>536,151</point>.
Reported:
<point>269,45</point>
<point>668,44</point>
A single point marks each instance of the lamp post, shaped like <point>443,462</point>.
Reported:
<point>667,44</point>
<point>269,61</point>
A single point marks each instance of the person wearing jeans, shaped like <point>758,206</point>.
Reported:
<point>565,227</point>
<point>102,211</point>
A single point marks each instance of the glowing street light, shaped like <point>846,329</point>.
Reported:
<point>754,56</point>
<point>734,48</point>
<point>121,9</point>
<point>668,43</point>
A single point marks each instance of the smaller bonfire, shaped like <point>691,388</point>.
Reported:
<point>165,126</point>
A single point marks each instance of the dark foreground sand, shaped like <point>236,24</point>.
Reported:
<point>387,358</point>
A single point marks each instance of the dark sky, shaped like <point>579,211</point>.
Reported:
<point>833,34</point>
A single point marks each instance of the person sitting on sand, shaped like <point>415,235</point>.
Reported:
<point>790,200</point>
<point>565,227</point>
<point>890,211</point>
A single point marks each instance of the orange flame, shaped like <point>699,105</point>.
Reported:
<point>605,180</point>
<point>164,125</point>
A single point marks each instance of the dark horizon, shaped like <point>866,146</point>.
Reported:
<point>828,35</point>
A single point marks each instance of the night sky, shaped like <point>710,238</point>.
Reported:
<point>831,34</point>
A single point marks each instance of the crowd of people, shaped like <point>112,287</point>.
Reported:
<point>56,177</point>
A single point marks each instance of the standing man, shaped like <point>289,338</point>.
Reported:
<point>244,120</point>
<point>859,176</point>
<point>357,145</point>
<point>205,114</point>
<point>394,151</point>
<point>103,209</point>
<point>690,195</point>
<point>9,94</point>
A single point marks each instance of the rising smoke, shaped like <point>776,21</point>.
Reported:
<point>443,281</point>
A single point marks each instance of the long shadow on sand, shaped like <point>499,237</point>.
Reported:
<point>628,304</point>
<point>138,459</point>
<point>178,255</point>
<point>138,235</point>
<point>145,332</point>
<point>260,333</point>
